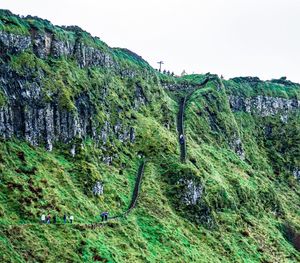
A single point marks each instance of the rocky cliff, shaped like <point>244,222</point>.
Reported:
<point>264,105</point>
<point>40,105</point>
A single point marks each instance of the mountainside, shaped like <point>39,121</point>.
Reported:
<point>77,120</point>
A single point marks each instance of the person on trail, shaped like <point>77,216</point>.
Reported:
<point>54,219</point>
<point>71,219</point>
<point>65,218</point>
<point>104,216</point>
<point>43,219</point>
<point>48,219</point>
<point>181,139</point>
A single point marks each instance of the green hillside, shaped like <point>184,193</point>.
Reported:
<point>235,198</point>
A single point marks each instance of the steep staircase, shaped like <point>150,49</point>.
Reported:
<point>180,120</point>
<point>135,193</point>
<point>180,128</point>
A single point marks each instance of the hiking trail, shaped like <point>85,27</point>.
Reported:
<point>180,120</point>
<point>82,226</point>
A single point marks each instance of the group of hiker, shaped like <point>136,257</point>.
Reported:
<point>47,219</point>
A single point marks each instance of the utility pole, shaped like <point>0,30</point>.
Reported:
<point>160,63</point>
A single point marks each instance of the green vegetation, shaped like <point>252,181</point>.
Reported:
<point>275,88</point>
<point>12,24</point>
<point>130,60</point>
<point>193,78</point>
<point>246,206</point>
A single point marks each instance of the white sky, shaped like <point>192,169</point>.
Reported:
<point>230,37</point>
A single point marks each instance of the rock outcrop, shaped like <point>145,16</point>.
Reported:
<point>25,116</point>
<point>98,189</point>
<point>296,173</point>
<point>47,44</point>
<point>263,105</point>
<point>11,43</point>
<point>28,115</point>
<point>236,145</point>
<point>192,191</point>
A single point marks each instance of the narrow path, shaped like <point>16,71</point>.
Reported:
<point>135,193</point>
<point>180,121</point>
<point>82,226</point>
<point>180,128</point>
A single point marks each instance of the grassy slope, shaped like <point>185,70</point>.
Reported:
<point>247,202</point>
<point>244,200</point>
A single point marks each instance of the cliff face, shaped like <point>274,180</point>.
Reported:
<point>45,44</point>
<point>264,105</point>
<point>46,101</point>
<point>274,108</point>
<point>27,113</point>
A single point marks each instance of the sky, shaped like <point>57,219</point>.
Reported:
<point>227,37</point>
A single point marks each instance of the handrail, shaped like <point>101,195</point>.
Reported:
<point>135,192</point>
<point>180,121</point>
<point>180,128</point>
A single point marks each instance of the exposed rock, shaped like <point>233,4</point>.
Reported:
<point>140,98</point>
<point>12,43</point>
<point>42,44</point>
<point>62,48</point>
<point>237,146</point>
<point>263,105</point>
<point>192,191</point>
<point>105,131</point>
<point>73,150</point>
<point>127,73</point>
<point>132,134</point>
<point>27,115</point>
<point>296,173</point>
<point>98,189</point>
<point>89,56</point>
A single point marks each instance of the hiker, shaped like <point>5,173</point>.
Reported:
<point>104,216</point>
<point>65,218</point>
<point>54,219</point>
<point>181,139</point>
<point>43,219</point>
<point>71,219</point>
<point>48,218</point>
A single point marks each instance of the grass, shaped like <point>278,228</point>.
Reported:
<point>247,204</point>
<point>239,86</point>
<point>244,203</point>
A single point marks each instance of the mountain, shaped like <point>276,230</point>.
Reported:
<point>86,128</point>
